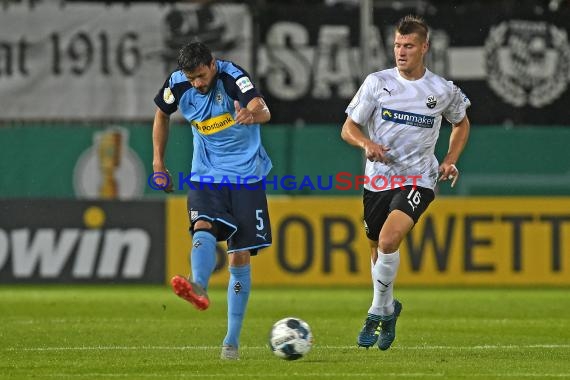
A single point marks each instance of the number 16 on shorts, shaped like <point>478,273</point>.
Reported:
<point>414,198</point>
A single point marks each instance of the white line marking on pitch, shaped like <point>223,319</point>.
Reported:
<point>204,348</point>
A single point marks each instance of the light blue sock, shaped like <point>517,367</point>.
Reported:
<point>238,294</point>
<point>203,257</point>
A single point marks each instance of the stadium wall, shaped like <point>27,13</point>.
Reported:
<point>460,241</point>
<point>487,231</point>
<point>511,58</point>
<point>76,160</point>
<point>76,206</point>
<point>478,241</point>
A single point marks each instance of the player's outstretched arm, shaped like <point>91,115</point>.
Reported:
<point>160,129</point>
<point>352,134</point>
<point>457,141</point>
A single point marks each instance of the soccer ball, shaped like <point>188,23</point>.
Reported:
<point>290,338</point>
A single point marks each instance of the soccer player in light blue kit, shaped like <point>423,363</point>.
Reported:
<point>225,111</point>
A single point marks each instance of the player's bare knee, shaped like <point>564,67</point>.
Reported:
<point>239,259</point>
<point>389,243</point>
<point>202,225</point>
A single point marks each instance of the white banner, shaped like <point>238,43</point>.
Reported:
<point>93,61</point>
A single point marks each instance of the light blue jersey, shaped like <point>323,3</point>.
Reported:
<point>224,151</point>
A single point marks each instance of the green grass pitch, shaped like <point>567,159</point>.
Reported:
<point>146,332</point>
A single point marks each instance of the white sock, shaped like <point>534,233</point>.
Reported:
<point>383,276</point>
<point>375,294</point>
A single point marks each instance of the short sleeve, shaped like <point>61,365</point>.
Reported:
<point>238,84</point>
<point>165,99</point>
<point>364,102</point>
<point>457,108</point>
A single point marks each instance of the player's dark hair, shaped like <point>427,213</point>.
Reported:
<point>413,24</point>
<point>193,55</point>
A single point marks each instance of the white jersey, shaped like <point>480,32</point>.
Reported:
<point>405,116</point>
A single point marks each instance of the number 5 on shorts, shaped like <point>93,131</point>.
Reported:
<point>259,218</point>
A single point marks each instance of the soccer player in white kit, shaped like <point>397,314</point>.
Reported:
<point>402,108</point>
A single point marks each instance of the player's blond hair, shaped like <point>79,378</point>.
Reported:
<point>413,24</point>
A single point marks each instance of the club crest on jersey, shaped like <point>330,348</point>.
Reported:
<point>219,97</point>
<point>408,118</point>
<point>431,101</point>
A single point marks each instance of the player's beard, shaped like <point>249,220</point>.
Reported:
<point>205,89</point>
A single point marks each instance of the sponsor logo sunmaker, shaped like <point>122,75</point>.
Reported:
<point>413,119</point>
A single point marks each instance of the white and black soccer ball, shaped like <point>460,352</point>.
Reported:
<point>290,338</point>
